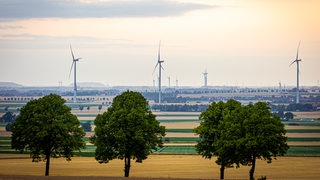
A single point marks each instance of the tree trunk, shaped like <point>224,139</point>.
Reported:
<point>47,163</point>
<point>253,168</point>
<point>222,172</point>
<point>127,166</point>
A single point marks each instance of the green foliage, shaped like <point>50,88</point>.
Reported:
<point>219,133</point>
<point>46,128</point>
<point>8,117</point>
<point>9,126</point>
<point>264,135</point>
<point>128,130</point>
<point>240,134</point>
<point>300,107</point>
<point>288,115</point>
<point>86,126</point>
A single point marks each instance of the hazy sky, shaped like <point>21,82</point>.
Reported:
<point>239,42</point>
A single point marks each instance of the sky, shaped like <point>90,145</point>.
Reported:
<point>238,42</point>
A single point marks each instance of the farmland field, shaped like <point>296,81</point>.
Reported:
<point>180,139</point>
<point>166,166</point>
<point>177,159</point>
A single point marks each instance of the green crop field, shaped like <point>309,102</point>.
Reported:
<point>303,130</point>
<point>181,123</point>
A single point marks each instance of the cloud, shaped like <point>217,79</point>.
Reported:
<point>32,41</point>
<point>22,9</point>
<point>10,27</point>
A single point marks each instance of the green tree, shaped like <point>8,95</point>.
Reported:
<point>9,127</point>
<point>264,136</point>
<point>86,126</point>
<point>219,132</point>
<point>46,128</point>
<point>127,130</point>
<point>288,115</point>
<point>8,117</point>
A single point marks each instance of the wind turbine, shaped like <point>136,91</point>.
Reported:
<point>297,60</point>
<point>176,82</point>
<point>160,67</point>
<point>205,74</point>
<point>74,66</point>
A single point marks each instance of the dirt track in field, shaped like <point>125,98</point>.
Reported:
<point>165,166</point>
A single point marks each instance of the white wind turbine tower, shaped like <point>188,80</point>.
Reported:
<point>160,67</point>
<point>74,66</point>
<point>297,60</point>
<point>205,74</point>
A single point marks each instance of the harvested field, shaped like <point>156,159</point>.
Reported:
<point>303,135</point>
<point>176,118</point>
<point>166,166</point>
<point>184,125</point>
<point>313,114</point>
<point>314,143</point>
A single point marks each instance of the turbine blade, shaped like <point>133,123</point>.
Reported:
<point>159,51</point>
<point>71,69</point>
<point>298,50</point>
<point>155,68</point>
<point>72,53</point>
<point>293,62</point>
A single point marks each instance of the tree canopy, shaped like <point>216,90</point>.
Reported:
<point>240,134</point>
<point>127,130</point>
<point>264,136</point>
<point>8,117</point>
<point>219,133</point>
<point>46,128</point>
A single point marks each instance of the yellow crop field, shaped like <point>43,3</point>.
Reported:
<point>166,166</point>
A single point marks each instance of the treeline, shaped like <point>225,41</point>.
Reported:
<point>294,107</point>
<point>180,108</point>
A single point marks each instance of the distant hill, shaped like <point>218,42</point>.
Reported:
<point>10,85</point>
<point>90,84</point>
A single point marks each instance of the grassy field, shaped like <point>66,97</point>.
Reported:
<point>166,166</point>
